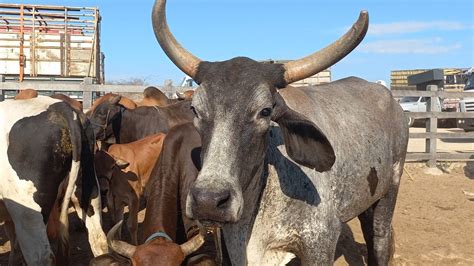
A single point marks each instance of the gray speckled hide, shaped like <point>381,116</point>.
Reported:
<point>287,209</point>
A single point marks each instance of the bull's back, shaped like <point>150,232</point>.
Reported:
<point>35,149</point>
<point>369,134</point>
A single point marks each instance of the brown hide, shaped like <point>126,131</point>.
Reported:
<point>126,185</point>
<point>141,154</point>
<point>154,97</point>
<point>158,252</point>
<point>76,105</point>
<point>186,95</point>
<point>26,94</point>
<point>31,93</point>
<point>124,101</point>
<point>166,193</point>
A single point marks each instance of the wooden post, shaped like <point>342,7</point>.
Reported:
<point>87,93</point>
<point>431,126</point>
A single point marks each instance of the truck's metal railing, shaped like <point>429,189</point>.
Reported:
<point>50,41</point>
<point>85,89</point>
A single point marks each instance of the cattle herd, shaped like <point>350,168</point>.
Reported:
<point>247,170</point>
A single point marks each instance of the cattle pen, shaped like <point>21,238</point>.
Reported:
<point>429,84</point>
<point>432,155</point>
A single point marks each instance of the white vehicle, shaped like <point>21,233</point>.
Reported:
<point>467,105</point>
<point>416,104</point>
<point>188,82</point>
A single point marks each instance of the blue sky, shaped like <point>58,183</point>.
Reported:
<point>402,34</point>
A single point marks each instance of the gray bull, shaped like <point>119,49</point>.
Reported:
<point>345,146</point>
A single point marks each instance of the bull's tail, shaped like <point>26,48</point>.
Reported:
<point>90,196</point>
<point>75,131</point>
<point>63,230</point>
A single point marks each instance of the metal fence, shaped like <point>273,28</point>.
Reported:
<point>85,89</point>
<point>431,154</point>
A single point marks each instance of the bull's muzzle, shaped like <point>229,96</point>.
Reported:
<point>213,205</point>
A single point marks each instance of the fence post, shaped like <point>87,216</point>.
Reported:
<point>432,126</point>
<point>2,93</point>
<point>87,93</point>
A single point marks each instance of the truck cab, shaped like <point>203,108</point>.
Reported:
<point>467,105</point>
<point>416,104</point>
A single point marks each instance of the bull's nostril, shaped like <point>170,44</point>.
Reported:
<point>222,202</point>
<point>206,200</point>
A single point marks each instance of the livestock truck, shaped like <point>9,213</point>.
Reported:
<point>50,43</point>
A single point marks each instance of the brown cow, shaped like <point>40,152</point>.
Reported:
<point>124,101</point>
<point>126,169</point>
<point>152,96</point>
<point>26,94</point>
<point>185,95</point>
<point>76,105</point>
<point>157,251</point>
<point>166,193</point>
<point>31,93</point>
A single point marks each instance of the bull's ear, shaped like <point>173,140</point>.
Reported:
<point>115,100</point>
<point>127,103</point>
<point>305,143</point>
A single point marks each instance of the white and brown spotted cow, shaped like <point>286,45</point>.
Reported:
<point>42,144</point>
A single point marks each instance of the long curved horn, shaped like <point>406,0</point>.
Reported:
<point>322,59</point>
<point>121,247</point>
<point>183,59</point>
<point>192,245</point>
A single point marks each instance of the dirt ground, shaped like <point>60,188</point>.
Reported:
<point>433,222</point>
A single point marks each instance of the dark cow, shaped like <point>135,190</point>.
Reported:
<point>338,153</point>
<point>170,182</point>
<point>111,119</point>
<point>44,145</point>
<point>126,169</point>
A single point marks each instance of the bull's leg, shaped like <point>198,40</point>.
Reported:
<point>366,221</point>
<point>376,226</point>
<point>319,248</point>
<point>30,232</point>
<point>93,220</point>
<point>117,214</point>
<point>383,213</point>
<point>15,258</point>
<point>132,221</point>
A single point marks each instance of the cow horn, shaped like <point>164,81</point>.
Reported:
<point>183,59</point>
<point>122,164</point>
<point>181,95</point>
<point>192,245</point>
<point>120,247</point>
<point>331,54</point>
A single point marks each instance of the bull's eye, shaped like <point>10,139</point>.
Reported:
<point>194,111</point>
<point>266,112</point>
